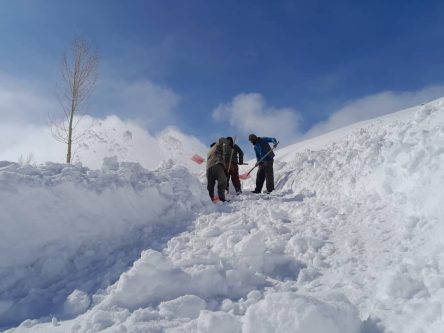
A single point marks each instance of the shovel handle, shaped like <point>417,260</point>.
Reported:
<point>248,173</point>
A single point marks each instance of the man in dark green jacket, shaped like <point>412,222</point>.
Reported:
<point>216,169</point>
<point>235,156</point>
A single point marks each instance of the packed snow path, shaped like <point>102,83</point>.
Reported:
<point>350,242</point>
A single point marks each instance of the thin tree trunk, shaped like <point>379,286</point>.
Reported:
<point>71,119</point>
<point>68,155</point>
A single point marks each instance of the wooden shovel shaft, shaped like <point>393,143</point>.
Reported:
<point>231,155</point>
<point>248,173</point>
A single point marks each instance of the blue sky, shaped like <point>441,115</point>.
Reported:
<point>232,67</point>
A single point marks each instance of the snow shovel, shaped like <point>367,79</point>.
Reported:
<point>229,164</point>
<point>247,175</point>
<point>198,159</point>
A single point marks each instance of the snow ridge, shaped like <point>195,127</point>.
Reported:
<point>70,228</point>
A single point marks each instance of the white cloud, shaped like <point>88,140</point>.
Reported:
<point>142,100</point>
<point>23,101</point>
<point>18,139</point>
<point>249,113</point>
<point>24,110</point>
<point>373,106</point>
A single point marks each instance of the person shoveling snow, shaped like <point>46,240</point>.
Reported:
<point>216,170</point>
<point>235,157</point>
<point>265,159</point>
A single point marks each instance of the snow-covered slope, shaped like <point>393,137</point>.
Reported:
<point>320,142</point>
<point>350,242</point>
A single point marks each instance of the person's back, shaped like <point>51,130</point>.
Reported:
<point>216,154</point>
<point>212,156</point>
<point>216,169</point>
<point>234,156</point>
<point>262,148</point>
<point>233,152</point>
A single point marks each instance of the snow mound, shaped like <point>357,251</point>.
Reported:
<point>71,230</point>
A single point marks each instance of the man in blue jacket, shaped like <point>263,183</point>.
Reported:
<point>264,156</point>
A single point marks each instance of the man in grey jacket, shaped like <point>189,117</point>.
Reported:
<point>216,169</point>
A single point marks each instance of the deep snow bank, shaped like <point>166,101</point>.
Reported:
<point>67,227</point>
<point>397,159</point>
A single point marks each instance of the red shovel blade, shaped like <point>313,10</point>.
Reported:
<point>244,176</point>
<point>198,159</point>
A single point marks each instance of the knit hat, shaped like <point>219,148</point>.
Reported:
<point>252,138</point>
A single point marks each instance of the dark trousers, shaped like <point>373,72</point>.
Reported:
<point>217,173</point>
<point>233,173</point>
<point>265,173</point>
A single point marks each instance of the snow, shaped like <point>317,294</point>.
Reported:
<point>68,227</point>
<point>292,312</point>
<point>76,303</point>
<point>349,242</point>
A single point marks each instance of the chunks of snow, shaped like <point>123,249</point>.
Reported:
<point>153,278</point>
<point>217,322</point>
<point>110,164</point>
<point>188,306</point>
<point>76,303</point>
<point>291,312</point>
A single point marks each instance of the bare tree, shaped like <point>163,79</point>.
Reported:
<point>79,73</point>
